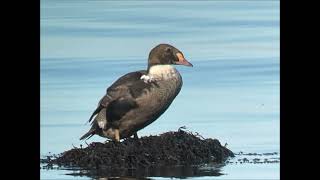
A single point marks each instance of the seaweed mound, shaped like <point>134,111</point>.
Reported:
<point>171,148</point>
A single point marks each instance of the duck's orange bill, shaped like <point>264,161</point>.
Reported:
<point>182,60</point>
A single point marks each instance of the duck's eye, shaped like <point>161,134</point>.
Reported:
<point>168,49</point>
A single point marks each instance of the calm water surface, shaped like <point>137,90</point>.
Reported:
<point>231,93</point>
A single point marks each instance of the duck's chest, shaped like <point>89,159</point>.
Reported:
<point>165,83</point>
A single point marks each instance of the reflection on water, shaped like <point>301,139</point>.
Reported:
<point>168,171</point>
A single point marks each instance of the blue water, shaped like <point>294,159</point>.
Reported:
<point>231,93</point>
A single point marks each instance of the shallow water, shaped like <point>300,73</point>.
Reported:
<point>231,93</point>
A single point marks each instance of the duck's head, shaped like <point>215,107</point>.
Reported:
<point>164,54</point>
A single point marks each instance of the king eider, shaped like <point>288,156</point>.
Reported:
<point>139,98</point>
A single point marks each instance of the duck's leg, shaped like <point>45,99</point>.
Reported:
<point>117,135</point>
<point>135,136</point>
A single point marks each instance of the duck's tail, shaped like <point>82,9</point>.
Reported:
<point>89,134</point>
<point>95,113</point>
<point>102,104</point>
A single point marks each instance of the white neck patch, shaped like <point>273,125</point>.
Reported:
<point>160,72</point>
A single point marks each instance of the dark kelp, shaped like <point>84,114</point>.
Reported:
<point>178,148</point>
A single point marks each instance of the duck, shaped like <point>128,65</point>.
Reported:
<point>138,98</point>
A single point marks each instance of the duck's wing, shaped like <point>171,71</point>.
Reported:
<point>119,99</point>
<point>120,96</point>
<point>124,93</point>
<point>102,103</point>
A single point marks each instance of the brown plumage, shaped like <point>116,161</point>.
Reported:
<point>138,98</point>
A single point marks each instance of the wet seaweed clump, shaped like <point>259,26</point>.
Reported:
<point>171,148</point>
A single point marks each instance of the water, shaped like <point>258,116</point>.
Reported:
<point>231,93</point>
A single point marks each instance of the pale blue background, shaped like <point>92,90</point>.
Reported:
<point>231,93</point>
